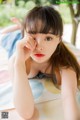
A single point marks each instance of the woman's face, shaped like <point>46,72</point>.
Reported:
<point>46,46</point>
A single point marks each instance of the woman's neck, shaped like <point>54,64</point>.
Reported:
<point>41,66</point>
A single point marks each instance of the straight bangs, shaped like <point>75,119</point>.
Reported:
<point>42,20</point>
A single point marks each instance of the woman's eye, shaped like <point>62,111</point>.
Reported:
<point>48,38</point>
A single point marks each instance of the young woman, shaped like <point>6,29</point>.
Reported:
<point>42,51</point>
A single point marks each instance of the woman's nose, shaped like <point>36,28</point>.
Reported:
<point>39,46</point>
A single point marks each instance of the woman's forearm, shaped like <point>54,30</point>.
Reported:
<point>23,98</point>
<point>10,29</point>
<point>71,110</point>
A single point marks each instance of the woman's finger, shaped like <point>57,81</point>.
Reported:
<point>27,45</point>
<point>30,40</point>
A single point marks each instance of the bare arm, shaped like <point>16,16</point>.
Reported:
<point>10,29</point>
<point>68,91</point>
<point>11,71</point>
<point>23,98</point>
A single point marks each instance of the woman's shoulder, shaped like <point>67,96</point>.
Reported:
<point>63,73</point>
<point>68,72</point>
<point>69,80</point>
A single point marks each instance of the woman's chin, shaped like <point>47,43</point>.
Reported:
<point>38,60</point>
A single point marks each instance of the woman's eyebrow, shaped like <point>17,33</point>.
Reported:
<point>50,34</point>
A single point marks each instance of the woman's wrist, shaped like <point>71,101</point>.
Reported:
<point>19,63</point>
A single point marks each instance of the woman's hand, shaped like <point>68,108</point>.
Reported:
<point>25,47</point>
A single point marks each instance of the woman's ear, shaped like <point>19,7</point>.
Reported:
<point>28,65</point>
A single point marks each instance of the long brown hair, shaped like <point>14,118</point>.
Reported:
<point>50,20</point>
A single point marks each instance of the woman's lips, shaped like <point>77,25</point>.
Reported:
<point>39,55</point>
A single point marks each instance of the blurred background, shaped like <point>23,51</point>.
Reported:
<point>69,10</point>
